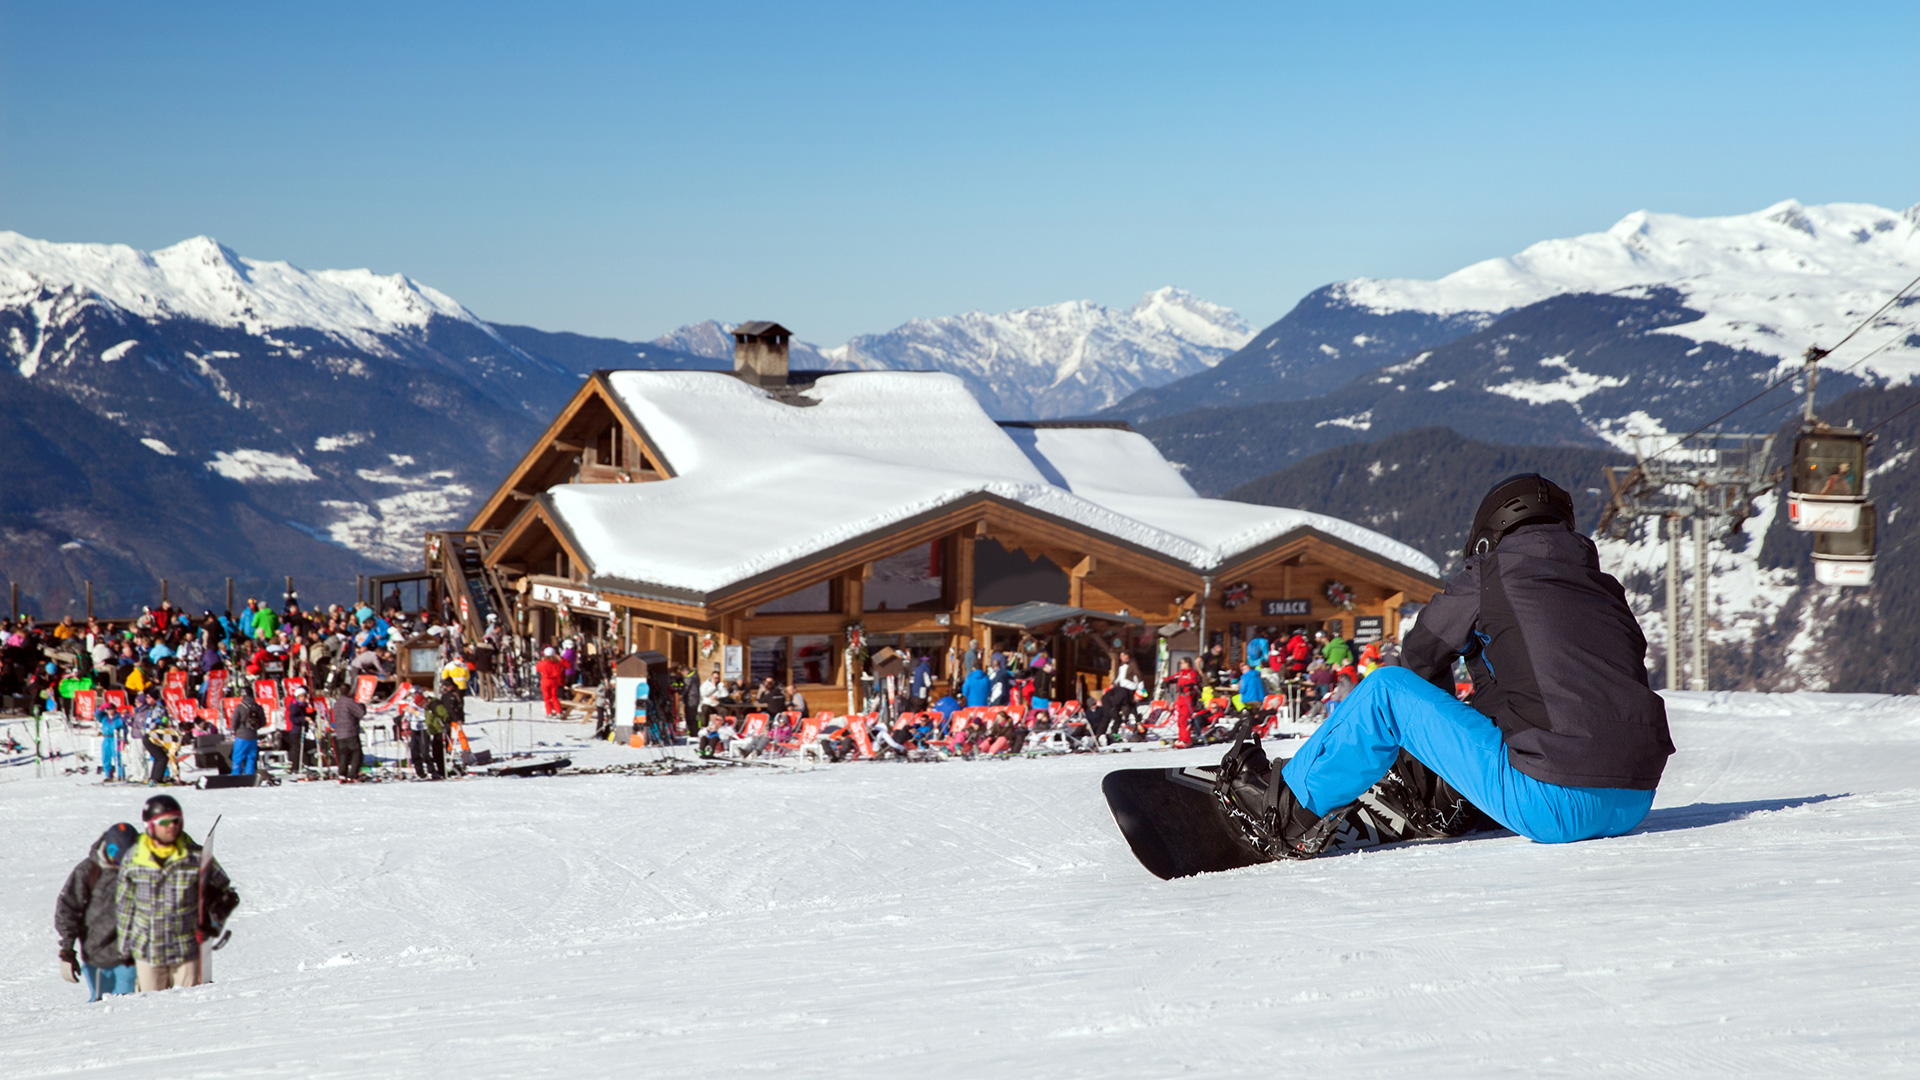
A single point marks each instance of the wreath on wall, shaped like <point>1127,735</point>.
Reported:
<point>1073,628</point>
<point>1340,594</point>
<point>1237,594</point>
<point>708,646</point>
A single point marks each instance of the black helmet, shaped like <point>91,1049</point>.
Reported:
<point>159,805</point>
<point>116,841</point>
<point>1521,499</point>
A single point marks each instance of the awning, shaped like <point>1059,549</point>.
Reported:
<point>1035,614</point>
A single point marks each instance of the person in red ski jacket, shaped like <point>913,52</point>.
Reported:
<point>1298,653</point>
<point>553,672</point>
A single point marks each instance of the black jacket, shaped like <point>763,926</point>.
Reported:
<point>248,719</point>
<point>1558,660</point>
<point>347,715</point>
<point>86,912</point>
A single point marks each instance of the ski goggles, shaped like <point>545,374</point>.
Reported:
<point>164,820</point>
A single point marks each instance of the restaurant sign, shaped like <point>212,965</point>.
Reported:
<point>1273,608</point>
<point>578,599</point>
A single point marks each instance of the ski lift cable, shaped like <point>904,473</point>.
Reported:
<point>1890,419</point>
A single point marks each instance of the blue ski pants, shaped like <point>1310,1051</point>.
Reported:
<point>110,759</point>
<point>246,752</point>
<point>1394,709</point>
<point>101,981</point>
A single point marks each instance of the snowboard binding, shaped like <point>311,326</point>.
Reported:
<point>1269,819</point>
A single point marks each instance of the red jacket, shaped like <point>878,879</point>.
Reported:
<point>551,670</point>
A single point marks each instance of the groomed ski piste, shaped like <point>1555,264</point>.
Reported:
<point>980,918</point>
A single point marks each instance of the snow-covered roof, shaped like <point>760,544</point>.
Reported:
<point>1083,459</point>
<point>760,483</point>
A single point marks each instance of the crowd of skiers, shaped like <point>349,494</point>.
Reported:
<point>138,911</point>
<point>1004,705</point>
<point>166,684</point>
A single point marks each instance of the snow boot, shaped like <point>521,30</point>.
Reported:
<point>1264,810</point>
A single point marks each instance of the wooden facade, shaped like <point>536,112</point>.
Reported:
<point>789,617</point>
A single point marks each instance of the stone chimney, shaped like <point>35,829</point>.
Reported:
<point>760,353</point>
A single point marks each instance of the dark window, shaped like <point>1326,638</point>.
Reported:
<point>1012,577</point>
<point>913,580</point>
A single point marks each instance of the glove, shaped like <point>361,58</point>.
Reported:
<point>69,966</point>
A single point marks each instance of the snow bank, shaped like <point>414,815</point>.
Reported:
<point>970,919</point>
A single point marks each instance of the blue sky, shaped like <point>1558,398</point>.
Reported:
<point>624,168</point>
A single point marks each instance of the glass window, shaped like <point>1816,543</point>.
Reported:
<point>816,597</point>
<point>812,658</point>
<point>911,580</point>
<point>767,658</point>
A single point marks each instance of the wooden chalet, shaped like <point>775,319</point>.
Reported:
<point>751,520</point>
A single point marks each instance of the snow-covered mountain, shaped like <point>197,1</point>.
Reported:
<point>1769,283</point>
<point>323,419</point>
<point>1773,282</point>
<point>1066,359</point>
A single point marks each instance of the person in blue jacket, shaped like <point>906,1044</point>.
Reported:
<point>1563,739</point>
<point>978,689</point>
<point>112,725</point>
<point>1252,691</point>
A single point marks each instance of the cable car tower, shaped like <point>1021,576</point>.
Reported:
<point>1827,493</point>
<point>1710,479</point>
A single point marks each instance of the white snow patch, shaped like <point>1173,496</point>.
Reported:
<point>1570,387</point>
<point>1358,421</point>
<point>157,447</point>
<point>260,465</point>
<point>328,444</point>
<point>115,352</point>
<point>1441,385</point>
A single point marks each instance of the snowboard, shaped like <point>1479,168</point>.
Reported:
<point>200,918</point>
<point>1177,828</point>
<point>1174,824</point>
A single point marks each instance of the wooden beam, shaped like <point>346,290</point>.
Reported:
<point>564,446</point>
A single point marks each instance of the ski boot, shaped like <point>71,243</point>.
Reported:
<point>1263,809</point>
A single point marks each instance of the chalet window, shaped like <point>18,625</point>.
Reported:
<point>801,658</point>
<point>913,580</point>
<point>817,597</point>
<point>1001,576</point>
<point>767,658</point>
<point>812,658</point>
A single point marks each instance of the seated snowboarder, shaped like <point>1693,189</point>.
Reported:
<point>1563,739</point>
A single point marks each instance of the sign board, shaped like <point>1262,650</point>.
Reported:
<point>176,685</point>
<point>216,687</point>
<point>1282,608</point>
<point>117,698</point>
<point>578,599</point>
<point>363,689</point>
<point>1368,629</point>
<point>264,693</point>
<point>83,706</point>
<point>228,705</point>
<point>733,662</point>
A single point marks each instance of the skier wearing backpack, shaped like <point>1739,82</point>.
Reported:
<point>159,903</point>
<point>87,914</point>
<point>1563,741</point>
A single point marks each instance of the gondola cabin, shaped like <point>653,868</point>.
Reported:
<point>1829,481</point>
<point>1846,558</point>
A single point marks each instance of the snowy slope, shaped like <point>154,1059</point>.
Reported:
<point>1774,281</point>
<point>1066,359</point>
<point>985,919</point>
